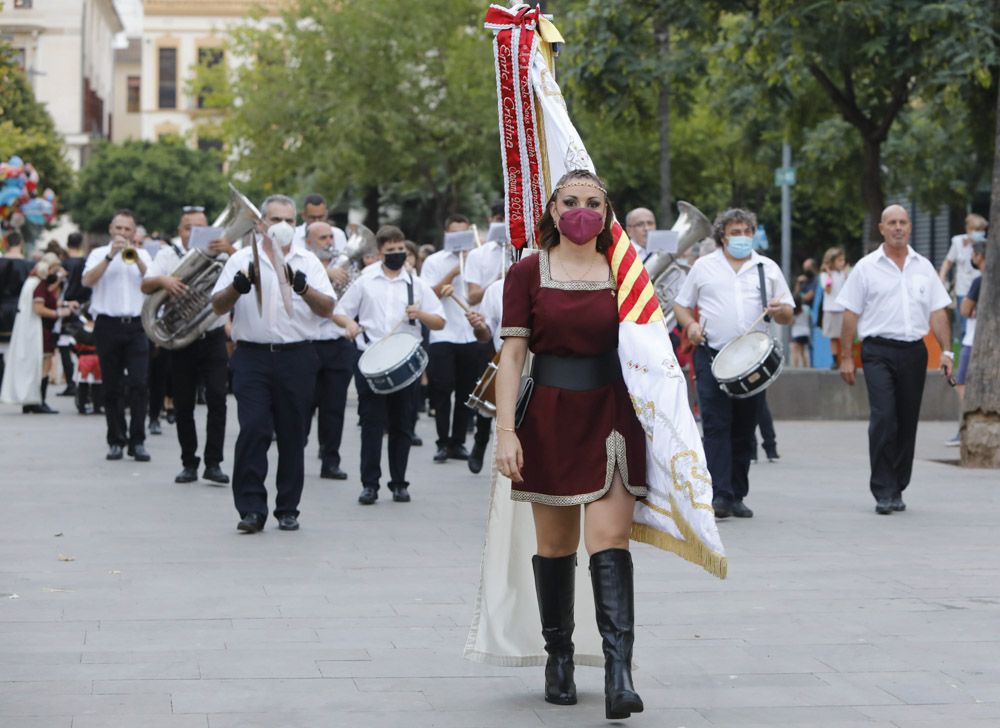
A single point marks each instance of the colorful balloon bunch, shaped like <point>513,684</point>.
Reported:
<point>19,200</point>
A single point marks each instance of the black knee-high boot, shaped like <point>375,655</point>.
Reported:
<point>614,602</point>
<point>43,407</point>
<point>555,585</point>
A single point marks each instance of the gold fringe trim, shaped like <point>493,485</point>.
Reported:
<point>690,549</point>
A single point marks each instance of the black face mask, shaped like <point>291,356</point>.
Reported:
<point>51,278</point>
<point>394,261</point>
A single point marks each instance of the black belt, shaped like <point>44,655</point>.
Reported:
<point>578,373</point>
<point>892,342</point>
<point>120,319</point>
<point>329,342</point>
<point>274,347</point>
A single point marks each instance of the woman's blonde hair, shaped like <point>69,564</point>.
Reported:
<point>831,255</point>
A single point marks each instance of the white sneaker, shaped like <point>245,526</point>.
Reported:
<point>956,441</point>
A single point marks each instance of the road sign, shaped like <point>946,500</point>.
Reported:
<point>784,176</point>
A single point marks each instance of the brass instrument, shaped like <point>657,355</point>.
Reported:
<point>130,255</point>
<point>350,260</point>
<point>667,271</point>
<point>175,322</point>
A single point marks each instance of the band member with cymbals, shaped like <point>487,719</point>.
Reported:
<point>204,360</point>
<point>375,306</point>
<point>275,363</point>
<point>122,345</point>
<point>727,288</point>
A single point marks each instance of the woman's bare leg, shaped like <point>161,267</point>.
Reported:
<point>557,529</point>
<point>608,521</point>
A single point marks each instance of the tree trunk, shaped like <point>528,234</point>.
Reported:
<point>981,415</point>
<point>871,192</point>
<point>666,216</point>
<point>372,201</point>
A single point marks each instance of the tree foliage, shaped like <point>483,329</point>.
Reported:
<point>153,179</point>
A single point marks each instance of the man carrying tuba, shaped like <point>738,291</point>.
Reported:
<point>205,358</point>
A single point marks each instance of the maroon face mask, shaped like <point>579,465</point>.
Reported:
<point>581,224</point>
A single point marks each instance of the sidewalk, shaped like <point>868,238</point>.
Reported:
<point>139,606</point>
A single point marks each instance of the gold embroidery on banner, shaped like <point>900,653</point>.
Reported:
<point>548,282</point>
<point>514,331</point>
<point>686,486</point>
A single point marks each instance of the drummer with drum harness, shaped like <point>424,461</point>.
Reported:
<point>380,312</point>
<point>737,291</point>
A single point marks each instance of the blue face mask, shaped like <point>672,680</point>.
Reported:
<point>740,246</point>
<point>978,236</point>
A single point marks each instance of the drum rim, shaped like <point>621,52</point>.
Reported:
<point>774,347</point>
<point>417,345</point>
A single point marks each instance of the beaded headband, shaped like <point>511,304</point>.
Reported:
<point>580,183</point>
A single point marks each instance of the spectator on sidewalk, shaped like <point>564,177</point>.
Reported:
<point>832,277</point>
<point>969,305</point>
<point>960,257</point>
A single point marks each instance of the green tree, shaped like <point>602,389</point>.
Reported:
<point>153,179</point>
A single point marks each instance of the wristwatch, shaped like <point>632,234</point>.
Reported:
<point>109,258</point>
<point>949,354</point>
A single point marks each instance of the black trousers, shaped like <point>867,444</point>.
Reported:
<point>159,379</point>
<point>728,425</point>
<point>452,370</point>
<point>274,393</point>
<point>381,413</point>
<point>336,367</point>
<point>484,425</point>
<point>203,361</point>
<point>766,424</point>
<point>894,375</point>
<point>122,345</point>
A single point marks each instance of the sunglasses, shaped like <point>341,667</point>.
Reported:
<point>187,209</point>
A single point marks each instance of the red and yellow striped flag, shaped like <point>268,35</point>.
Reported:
<point>636,300</point>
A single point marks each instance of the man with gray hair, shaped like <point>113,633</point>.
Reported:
<point>731,288</point>
<point>275,364</point>
<point>638,223</point>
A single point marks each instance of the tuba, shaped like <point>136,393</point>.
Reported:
<point>667,271</point>
<point>174,323</point>
<point>350,259</point>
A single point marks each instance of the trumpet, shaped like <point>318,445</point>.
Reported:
<point>130,255</point>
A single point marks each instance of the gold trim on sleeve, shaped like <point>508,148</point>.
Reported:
<point>507,331</point>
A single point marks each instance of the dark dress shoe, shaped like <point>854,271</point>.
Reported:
<point>723,507</point>
<point>288,522</point>
<point>114,453</point>
<point>171,417</point>
<point>772,455</point>
<point>476,458</point>
<point>333,473</point>
<point>70,390</point>
<point>401,494</point>
<point>415,441</point>
<point>154,427</point>
<point>44,409</point>
<point>458,452</point>
<point>883,507</point>
<point>187,475</point>
<point>897,503</point>
<point>368,496</point>
<point>214,473</point>
<point>139,453</point>
<point>740,511</point>
<point>30,409</point>
<point>441,456</point>
<point>251,523</point>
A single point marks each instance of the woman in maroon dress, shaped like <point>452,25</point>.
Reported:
<point>579,442</point>
<point>45,303</point>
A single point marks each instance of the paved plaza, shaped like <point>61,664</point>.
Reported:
<point>127,601</point>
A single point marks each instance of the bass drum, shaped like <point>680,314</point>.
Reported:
<point>747,365</point>
<point>393,363</point>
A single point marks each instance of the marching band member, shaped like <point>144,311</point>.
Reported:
<point>205,360</point>
<point>380,301</point>
<point>638,223</point>
<point>727,287</point>
<point>454,353</point>
<point>121,341</point>
<point>336,365</point>
<point>275,363</point>
<point>314,210</point>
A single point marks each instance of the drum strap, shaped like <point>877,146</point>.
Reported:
<point>409,294</point>
<point>763,290</point>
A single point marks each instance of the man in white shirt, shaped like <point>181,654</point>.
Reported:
<point>960,257</point>
<point>204,360</point>
<point>314,210</point>
<point>336,354</point>
<point>638,223</point>
<point>454,353</point>
<point>275,363</point>
<point>375,306</point>
<point>116,304</point>
<point>726,286</point>
<point>891,299</point>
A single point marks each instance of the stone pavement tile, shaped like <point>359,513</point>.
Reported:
<point>380,719</point>
<point>137,657</point>
<point>49,721</point>
<point>27,656</point>
<point>399,663</point>
<point>946,715</point>
<point>99,671</point>
<point>42,704</point>
<point>144,721</point>
<point>905,687</point>
<point>45,687</point>
<point>589,713</point>
<point>276,663</point>
<point>456,694</point>
<point>790,716</point>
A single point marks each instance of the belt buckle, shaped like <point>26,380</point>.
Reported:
<point>274,347</point>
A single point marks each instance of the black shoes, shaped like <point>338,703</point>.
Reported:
<point>416,441</point>
<point>70,390</point>
<point>897,503</point>
<point>154,427</point>
<point>214,474</point>
<point>614,602</point>
<point>401,494</point>
<point>251,523</point>
<point>171,417</point>
<point>739,510</point>
<point>332,473</point>
<point>139,453</point>
<point>555,580</point>
<point>772,455</point>
<point>187,475</point>
<point>288,522</point>
<point>722,506</point>
<point>476,457</point>
<point>457,452</point>
<point>441,456</point>
<point>114,453</point>
<point>883,507</point>
<point>368,496</point>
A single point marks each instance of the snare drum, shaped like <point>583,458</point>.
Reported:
<point>393,363</point>
<point>484,397</point>
<point>747,365</point>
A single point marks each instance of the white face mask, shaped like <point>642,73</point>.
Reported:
<point>281,234</point>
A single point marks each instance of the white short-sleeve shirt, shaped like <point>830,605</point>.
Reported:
<point>275,326</point>
<point>960,255</point>
<point>457,329</point>
<point>116,292</point>
<point>378,303</point>
<point>485,264</point>
<point>729,301</point>
<point>339,238</point>
<point>893,303</point>
<point>165,263</point>
<point>491,308</point>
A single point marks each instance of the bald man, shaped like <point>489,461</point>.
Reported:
<point>891,299</point>
<point>638,223</point>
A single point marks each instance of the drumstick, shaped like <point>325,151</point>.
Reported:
<point>461,272</point>
<point>461,304</point>
<point>759,319</point>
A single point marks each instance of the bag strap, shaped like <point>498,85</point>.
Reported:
<point>763,290</point>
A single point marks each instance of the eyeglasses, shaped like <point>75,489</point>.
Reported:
<point>188,209</point>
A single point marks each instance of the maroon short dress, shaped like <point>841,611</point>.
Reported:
<point>573,441</point>
<point>49,298</point>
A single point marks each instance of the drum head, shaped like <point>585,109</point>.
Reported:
<point>741,355</point>
<point>386,354</point>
